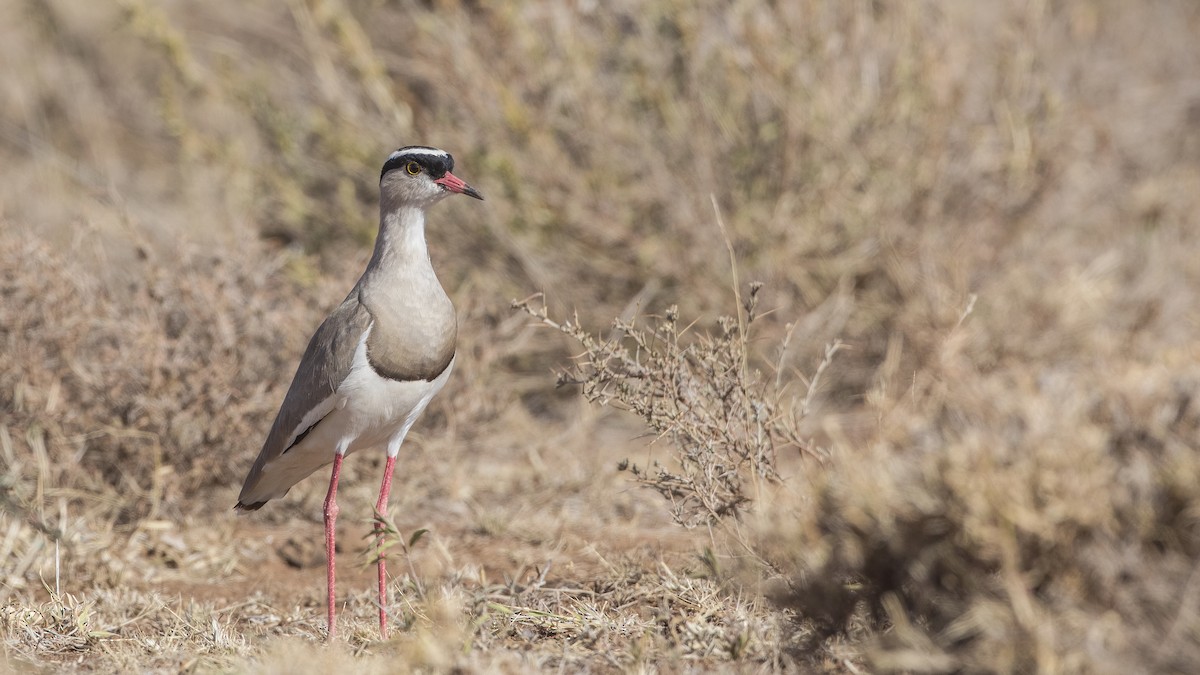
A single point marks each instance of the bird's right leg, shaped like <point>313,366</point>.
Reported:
<point>331,513</point>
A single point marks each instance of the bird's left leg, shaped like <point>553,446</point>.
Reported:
<point>381,512</point>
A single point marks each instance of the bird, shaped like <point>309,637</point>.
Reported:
<point>375,362</point>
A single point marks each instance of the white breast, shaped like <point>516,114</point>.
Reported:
<point>378,409</point>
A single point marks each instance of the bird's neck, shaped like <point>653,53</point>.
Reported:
<point>409,308</point>
<point>400,246</point>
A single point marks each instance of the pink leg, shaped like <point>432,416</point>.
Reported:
<point>381,508</point>
<point>331,513</point>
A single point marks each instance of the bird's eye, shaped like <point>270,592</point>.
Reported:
<point>413,168</point>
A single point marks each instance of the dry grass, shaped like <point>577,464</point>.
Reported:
<point>992,208</point>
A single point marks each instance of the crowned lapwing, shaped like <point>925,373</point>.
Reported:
<point>375,362</point>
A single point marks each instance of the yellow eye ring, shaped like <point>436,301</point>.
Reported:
<point>412,168</point>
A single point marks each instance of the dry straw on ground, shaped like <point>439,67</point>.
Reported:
<point>992,209</point>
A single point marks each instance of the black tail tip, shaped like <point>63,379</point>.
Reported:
<point>248,507</point>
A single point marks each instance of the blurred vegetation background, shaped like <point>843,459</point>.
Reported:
<point>993,205</point>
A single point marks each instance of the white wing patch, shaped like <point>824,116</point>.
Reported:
<point>310,418</point>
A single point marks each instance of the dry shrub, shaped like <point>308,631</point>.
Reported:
<point>726,421</point>
<point>157,389</point>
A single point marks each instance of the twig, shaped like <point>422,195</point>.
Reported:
<point>737,293</point>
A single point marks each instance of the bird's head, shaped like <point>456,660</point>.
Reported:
<point>420,176</point>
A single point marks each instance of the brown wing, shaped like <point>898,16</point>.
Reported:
<point>325,364</point>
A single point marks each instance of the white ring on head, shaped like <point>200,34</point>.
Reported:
<point>429,152</point>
